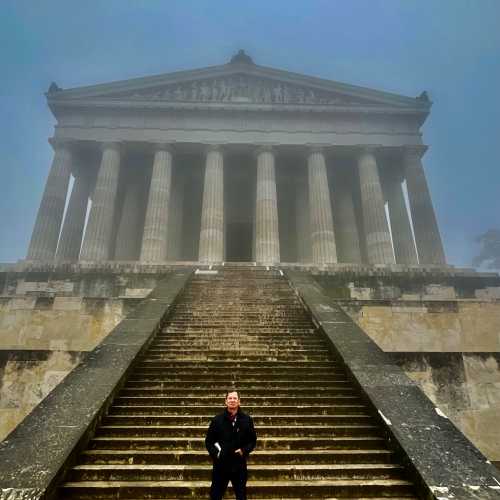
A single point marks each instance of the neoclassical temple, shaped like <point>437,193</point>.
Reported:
<point>237,162</point>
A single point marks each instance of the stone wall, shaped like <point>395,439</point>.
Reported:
<point>466,387</point>
<point>50,317</point>
<point>26,377</point>
<point>444,331</point>
<point>443,327</point>
<point>429,326</point>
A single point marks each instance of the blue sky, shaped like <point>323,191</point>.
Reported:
<point>451,48</point>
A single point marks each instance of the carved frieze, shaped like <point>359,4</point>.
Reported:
<point>240,88</point>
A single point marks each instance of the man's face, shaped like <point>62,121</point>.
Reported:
<point>232,401</point>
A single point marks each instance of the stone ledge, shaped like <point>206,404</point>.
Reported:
<point>444,462</point>
<point>34,456</point>
<point>114,267</point>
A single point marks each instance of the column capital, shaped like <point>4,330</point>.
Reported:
<point>370,149</point>
<point>208,148</point>
<point>163,146</point>
<point>414,152</point>
<point>60,143</point>
<point>315,148</point>
<point>264,148</point>
<point>117,146</point>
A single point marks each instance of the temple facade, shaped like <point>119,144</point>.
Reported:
<point>236,162</point>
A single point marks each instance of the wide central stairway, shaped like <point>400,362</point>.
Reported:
<point>243,328</point>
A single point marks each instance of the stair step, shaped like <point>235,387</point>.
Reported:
<point>255,411</point>
<point>343,488</point>
<point>246,400</point>
<point>261,472</point>
<point>263,430</point>
<point>159,420</point>
<point>247,392</point>
<point>265,443</point>
<point>272,456</point>
<point>266,385</point>
<point>243,327</point>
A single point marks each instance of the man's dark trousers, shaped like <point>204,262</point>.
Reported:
<point>234,471</point>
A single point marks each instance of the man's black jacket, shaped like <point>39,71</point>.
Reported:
<point>230,437</point>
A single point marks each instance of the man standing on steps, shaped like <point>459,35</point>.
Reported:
<point>230,439</point>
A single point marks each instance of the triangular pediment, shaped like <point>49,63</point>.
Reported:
<point>233,84</point>
<point>240,88</point>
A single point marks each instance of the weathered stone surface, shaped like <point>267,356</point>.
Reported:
<point>33,455</point>
<point>130,219</point>
<point>45,235</point>
<point>377,236</point>
<point>427,237</point>
<point>346,229</point>
<point>465,386</point>
<point>97,241</point>
<point>154,240</point>
<point>74,221</point>
<point>402,237</point>
<point>26,377</point>
<point>212,216</point>
<point>322,236</point>
<point>267,243</point>
<point>440,454</point>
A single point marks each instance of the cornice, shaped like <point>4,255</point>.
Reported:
<point>283,76</point>
<point>60,104</point>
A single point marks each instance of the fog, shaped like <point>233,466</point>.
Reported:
<point>449,48</point>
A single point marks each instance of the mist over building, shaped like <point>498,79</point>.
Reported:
<point>247,224</point>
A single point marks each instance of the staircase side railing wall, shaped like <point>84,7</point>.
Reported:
<point>444,462</point>
<point>34,457</point>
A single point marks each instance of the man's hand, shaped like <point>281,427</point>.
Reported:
<point>239,452</point>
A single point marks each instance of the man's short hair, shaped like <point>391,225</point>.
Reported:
<point>232,390</point>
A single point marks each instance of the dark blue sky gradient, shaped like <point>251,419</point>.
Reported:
<point>451,48</point>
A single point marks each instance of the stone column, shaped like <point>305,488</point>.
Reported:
<point>212,213</point>
<point>346,227</point>
<point>302,219</point>
<point>428,239</point>
<point>378,238</point>
<point>267,243</point>
<point>322,237</point>
<point>129,233</point>
<point>45,235</point>
<point>154,240</point>
<point>402,238</point>
<point>74,222</point>
<point>175,219</point>
<point>98,235</point>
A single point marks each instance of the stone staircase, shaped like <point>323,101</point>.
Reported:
<point>243,327</point>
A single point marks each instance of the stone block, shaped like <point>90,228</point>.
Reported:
<point>488,293</point>
<point>407,309</point>
<point>17,303</point>
<point>52,377</point>
<point>29,333</point>
<point>58,345</point>
<point>29,286</point>
<point>61,287</point>
<point>67,303</point>
<point>138,293</point>
<point>359,293</point>
<point>439,292</point>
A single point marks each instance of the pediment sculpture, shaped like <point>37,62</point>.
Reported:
<point>240,88</point>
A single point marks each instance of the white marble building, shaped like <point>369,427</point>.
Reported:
<point>236,162</point>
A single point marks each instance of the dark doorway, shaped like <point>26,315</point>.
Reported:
<point>239,242</point>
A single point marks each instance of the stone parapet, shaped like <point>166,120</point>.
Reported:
<point>445,464</point>
<point>35,454</point>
